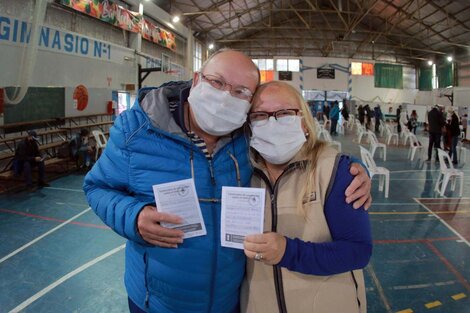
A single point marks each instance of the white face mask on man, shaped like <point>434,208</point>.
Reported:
<point>217,112</point>
<point>278,141</point>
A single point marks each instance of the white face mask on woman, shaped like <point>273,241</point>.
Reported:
<point>217,112</point>
<point>278,141</point>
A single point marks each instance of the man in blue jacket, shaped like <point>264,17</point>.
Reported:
<point>178,131</point>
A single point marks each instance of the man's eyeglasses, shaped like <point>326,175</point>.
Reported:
<point>285,116</point>
<point>219,83</point>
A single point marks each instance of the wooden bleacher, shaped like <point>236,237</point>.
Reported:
<point>53,135</point>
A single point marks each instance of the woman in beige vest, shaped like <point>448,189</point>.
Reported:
<point>314,245</point>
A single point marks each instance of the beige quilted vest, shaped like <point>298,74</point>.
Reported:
<point>341,293</point>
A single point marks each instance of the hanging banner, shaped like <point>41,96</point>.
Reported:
<point>109,12</point>
<point>89,7</point>
<point>157,35</point>
<point>128,20</point>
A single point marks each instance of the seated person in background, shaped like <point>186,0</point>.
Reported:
<point>26,157</point>
<point>81,149</point>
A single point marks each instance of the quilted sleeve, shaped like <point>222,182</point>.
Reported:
<point>107,185</point>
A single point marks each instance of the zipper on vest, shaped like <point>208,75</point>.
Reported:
<point>277,272</point>
<point>281,301</point>
<point>357,290</point>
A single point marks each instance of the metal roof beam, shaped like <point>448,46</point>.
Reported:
<point>442,9</point>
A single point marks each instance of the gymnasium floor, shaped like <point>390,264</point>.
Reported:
<point>56,255</point>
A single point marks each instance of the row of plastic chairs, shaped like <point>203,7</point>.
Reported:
<point>447,172</point>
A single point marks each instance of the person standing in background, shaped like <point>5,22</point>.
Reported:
<point>361,114</point>
<point>398,120</point>
<point>334,117</point>
<point>345,112</point>
<point>413,121</point>
<point>326,111</point>
<point>454,134</point>
<point>368,113</point>
<point>436,123</point>
<point>378,117</point>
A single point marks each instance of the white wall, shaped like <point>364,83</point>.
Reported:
<point>56,67</point>
<point>310,76</point>
<point>363,89</point>
<point>462,96</point>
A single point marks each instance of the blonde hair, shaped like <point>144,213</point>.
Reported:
<point>311,148</point>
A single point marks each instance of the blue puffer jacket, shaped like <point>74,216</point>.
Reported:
<point>334,113</point>
<point>147,147</point>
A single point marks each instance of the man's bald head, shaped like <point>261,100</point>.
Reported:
<point>235,67</point>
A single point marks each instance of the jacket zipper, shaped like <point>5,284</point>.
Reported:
<point>147,294</point>
<point>277,272</point>
<point>214,221</point>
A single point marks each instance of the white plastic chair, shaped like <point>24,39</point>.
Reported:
<point>351,122</point>
<point>330,141</point>
<point>375,144</point>
<point>382,172</point>
<point>462,153</point>
<point>447,173</point>
<point>390,135</point>
<point>101,142</point>
<point>318,126</point>
<point>405,133</point>
<point>321,132</point>
<point>340,127</point>
<point>381,128</point>
<point>361,131</point>
<point>415,146</point>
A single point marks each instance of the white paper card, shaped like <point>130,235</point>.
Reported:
<point>180,198</point>
<point>242,214</point>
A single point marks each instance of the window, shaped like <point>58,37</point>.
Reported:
<point>266,69</point>
<point>368,69</point>
<point>365,69</point>
<point>356,68</point>
<point>264,64</point>
<point>197,56</point>
<point>281,65</point>
<point>292,65</point>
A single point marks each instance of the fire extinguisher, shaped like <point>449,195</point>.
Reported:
<point>110,107</point>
